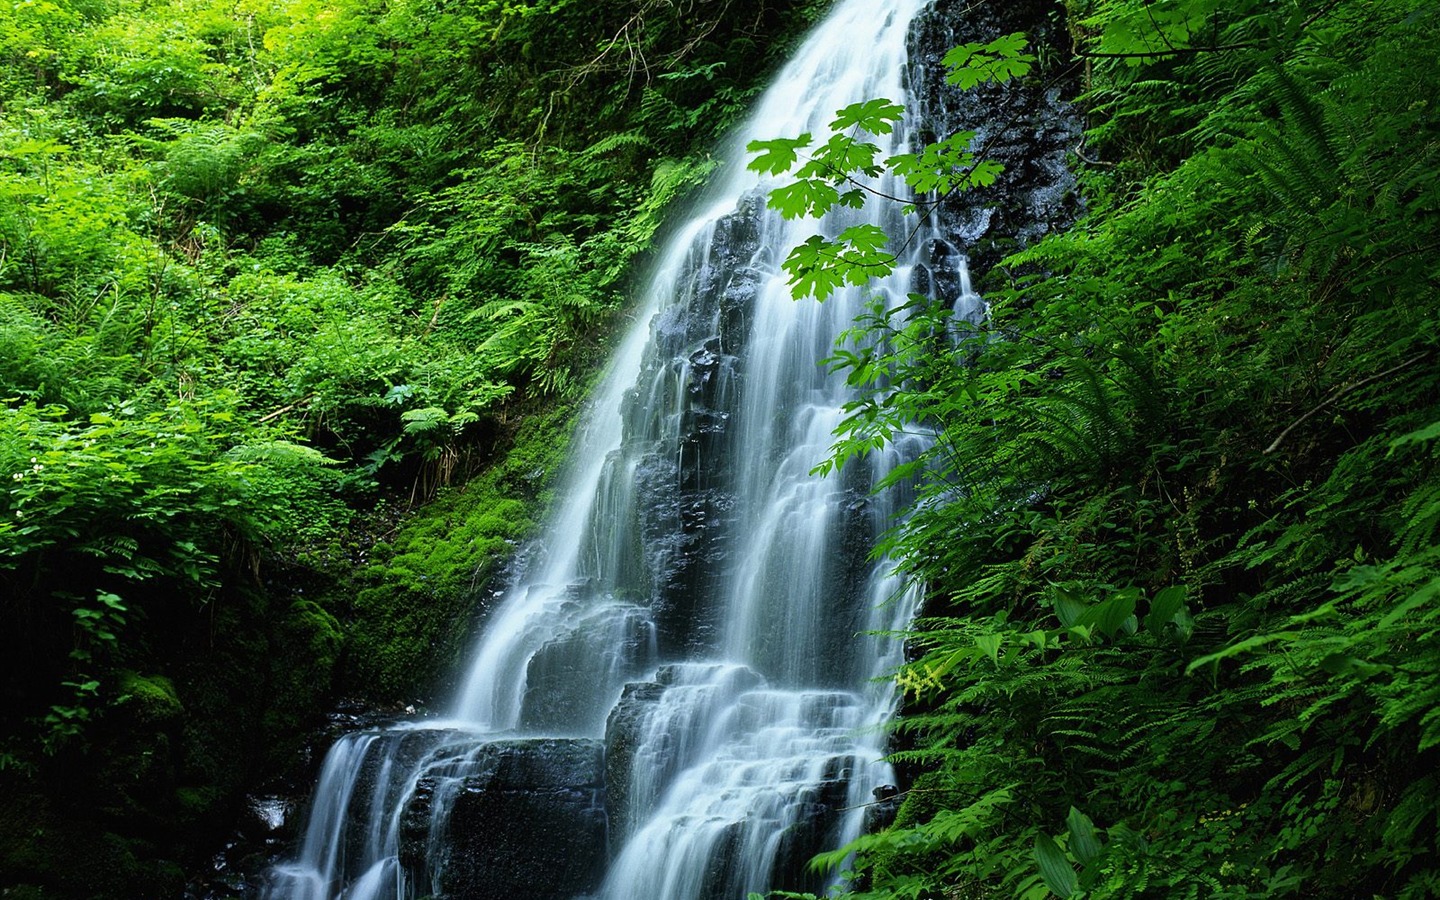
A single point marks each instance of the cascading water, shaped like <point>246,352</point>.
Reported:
<point>677,698</point>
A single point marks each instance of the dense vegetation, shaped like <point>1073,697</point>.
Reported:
<point>271,274</point>
<point>1179,517</point>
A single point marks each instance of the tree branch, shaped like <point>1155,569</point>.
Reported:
<point>1338,393</point>
<point>283,410</point>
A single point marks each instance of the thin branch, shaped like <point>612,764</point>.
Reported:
<point>847,178</point>
<point>979,155</point>
<point>891,799</point>
<point>1320,14</point>
<point>574,75</point>
<point>1087,160</point>
<point>1426,248</point>
<point>283,410</point>
<point>1150,13</point>
<point>1341,392</point>
<point>435,318</point>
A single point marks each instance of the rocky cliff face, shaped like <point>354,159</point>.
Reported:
<point>527,821</point>
<point>1025,124</point>
<point>687,511</point>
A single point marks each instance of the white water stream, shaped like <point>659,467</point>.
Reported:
<point>692,557</point>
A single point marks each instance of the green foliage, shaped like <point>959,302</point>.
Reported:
<point>1177,518</point>
<point>414,604</point>
<point>100,516</point>
<point>272,274</point>
<point>995,62</point>
<point>843,172</point>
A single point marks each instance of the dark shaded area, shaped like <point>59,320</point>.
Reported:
<point>529,822</point>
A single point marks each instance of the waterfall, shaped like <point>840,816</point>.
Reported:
<point>679,696</point>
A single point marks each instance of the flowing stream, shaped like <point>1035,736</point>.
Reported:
<point>678,697</point>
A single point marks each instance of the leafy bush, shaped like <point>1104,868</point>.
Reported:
<point>1177,522</point>
<point>271,276</point>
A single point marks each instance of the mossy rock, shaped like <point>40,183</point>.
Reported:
<point>312,626</point>
<point>197,801</point>
<point>404,641</point>
<point>305,653</point>
<point>150,699</point>
<point>51,851</point>
<point>414,607</point>
<point>412,616</point>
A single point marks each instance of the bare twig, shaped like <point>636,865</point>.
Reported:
<point>284,409</point>
<point>439,303</point>
<point>1079,154</point>
<point>1341,392</point>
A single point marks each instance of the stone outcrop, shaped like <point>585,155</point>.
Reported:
<point>527,819</point>
<point>1025,124</point>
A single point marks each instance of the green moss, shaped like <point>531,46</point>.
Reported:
<point>316,628</point>
<point>196,800</point>
<point>412,609</point>
<point>151,699</point>
<point>305,650</point>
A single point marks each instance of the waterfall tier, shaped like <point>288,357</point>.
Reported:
<point>679,696</point>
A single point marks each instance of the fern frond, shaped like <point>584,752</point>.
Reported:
<point>617,141</point>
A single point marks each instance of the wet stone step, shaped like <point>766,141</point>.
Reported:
<point>527,820</point>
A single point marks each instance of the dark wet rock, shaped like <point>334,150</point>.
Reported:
<point>528,820</point>
<point>721,874</point>
<point>1024,124</point>
<point>694,376</point>
<point>624,731</point>
<point>881,813</point>
<point>817,816</point>
<point>570,682</point>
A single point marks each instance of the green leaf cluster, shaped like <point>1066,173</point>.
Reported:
<point>1177,519</point>
<point>846,171</point>
<point>272,277</point>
